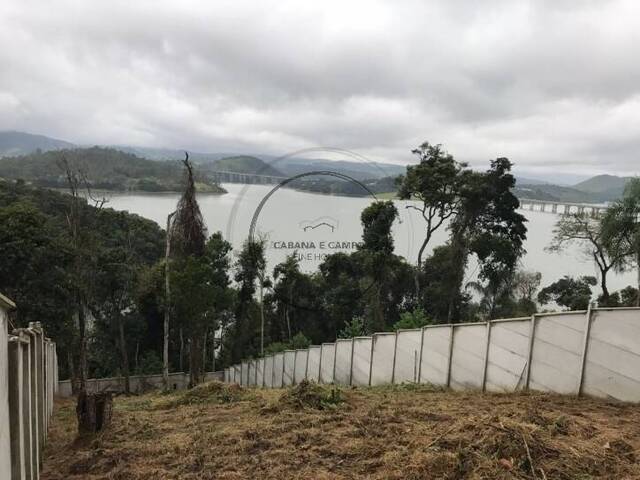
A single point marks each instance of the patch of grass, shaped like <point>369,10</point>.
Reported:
<point>207,393</point>
<point>311,395</point>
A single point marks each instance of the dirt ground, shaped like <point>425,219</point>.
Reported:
<point>311,432</point>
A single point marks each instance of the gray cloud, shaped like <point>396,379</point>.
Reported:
<point>554,85</point>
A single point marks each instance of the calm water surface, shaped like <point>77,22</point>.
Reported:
<point>315,225</point>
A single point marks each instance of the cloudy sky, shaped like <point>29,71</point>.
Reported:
<point>554,85</point>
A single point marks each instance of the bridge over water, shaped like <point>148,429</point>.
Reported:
<point>553,206</point>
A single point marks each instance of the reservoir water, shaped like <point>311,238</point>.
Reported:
<point>314,225</point>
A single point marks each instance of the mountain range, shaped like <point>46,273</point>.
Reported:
<point>598,189</point>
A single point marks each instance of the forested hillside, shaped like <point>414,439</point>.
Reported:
<point>105,168</point>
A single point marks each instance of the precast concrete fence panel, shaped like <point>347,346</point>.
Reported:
<point>342,364</point>
<point>408,347</point>
<point>361,365</point>
<point>313,363</point>
<point>594,352</point>
<point>383,359</point>
<point>327,360</point>
<point>28,384</point>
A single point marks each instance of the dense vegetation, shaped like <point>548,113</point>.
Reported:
<point>104,168</point>
<point>119,297</point>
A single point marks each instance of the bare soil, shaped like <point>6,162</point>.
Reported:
<point>312,432</point>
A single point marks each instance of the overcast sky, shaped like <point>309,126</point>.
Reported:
<point>553,85</point>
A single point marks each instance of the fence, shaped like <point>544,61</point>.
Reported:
<point>28,383</point>
<point>137,383</point>
<point>594,352</point>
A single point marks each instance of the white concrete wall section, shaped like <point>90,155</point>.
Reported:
<point>595,352</point>
<point>467,357</point>
<point>382,360</point>
<point>278,370</point>
<point>612,366</point>
<point>361,361</point>
<point>251,376</point>
<point>260,372</point>
<point>300,370</point>
<point>508,350</point>
<point>289,365</point>
<point>313,363</point>
<point>407,356</point>
<point>268,371</point>
<point>557,352</point>
<point>342,368</point>
<point>434,364</point>
<point>327,358</point>
<point>5,448</point>
<point>244,376</point>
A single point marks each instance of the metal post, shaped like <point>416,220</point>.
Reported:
<point>585,348</point>
<point>373,342</point>
<point>486,357</point>
<point>450,356</point>
<point>395,349</point>
<point>532,333</point>
<point>420,359</point>
<point>351,367</point>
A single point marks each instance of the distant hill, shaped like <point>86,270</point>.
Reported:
<point>20,143</point>
<point>244,164</point>
<point>106,168</point>
<point>355,169</point>
<point>608,187</point>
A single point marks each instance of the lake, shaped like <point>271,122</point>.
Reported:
<point>314,226</point>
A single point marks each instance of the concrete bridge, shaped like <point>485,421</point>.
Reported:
<point>253,178</point>
<point>559,207</point>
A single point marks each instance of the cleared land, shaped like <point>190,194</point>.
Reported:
<point>311,432</point>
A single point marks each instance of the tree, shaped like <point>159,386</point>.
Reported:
<point>353,328</point>
<point>416,318</point>
<point>621,228</point>
<point>587,231</point>
<point>435,183</point>
<point>188,236</point>
<point>488,225</point>
<point>569,292</point>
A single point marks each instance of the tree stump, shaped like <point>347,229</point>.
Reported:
<point>93,411</point>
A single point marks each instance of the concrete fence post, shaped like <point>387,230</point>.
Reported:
<point>450,354</point>
<point>35,327</point>
<point>486,356</point>
<point>585,349</point>
<point>373,342</point>
<point>532,335</point>
<point>335,356</point>
<point>351,365</point>
<point>395,351</point>
<point>295,361</point>
<point>419,379</point>
<point>320,364</point>
<point>16,426</point>
<point>306,366</point>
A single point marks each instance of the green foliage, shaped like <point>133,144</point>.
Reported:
<point>416,318</point>
<point>300,341</point>
<point>150,363</point>
<point>105,168</point>
<point>569,292</point>
<point>354,328</point>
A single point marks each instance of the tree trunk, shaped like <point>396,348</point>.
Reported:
<point>195,365</point>
<point>82,331</point>
<point>124,356</point>
<point>167,306</point>
<point>93,411</point>
<point>181,351</point>
<point>72,373</point>
<point>261,319</point>
<point>204,352</point>
<point>603,285</point>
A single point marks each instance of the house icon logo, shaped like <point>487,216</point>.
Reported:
<point>327,224</point>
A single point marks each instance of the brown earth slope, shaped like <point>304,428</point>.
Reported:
<point>404,432</point>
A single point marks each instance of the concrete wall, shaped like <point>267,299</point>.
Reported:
<point>28,370</point>
<point>594,352</point>
<point>138,383</point>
